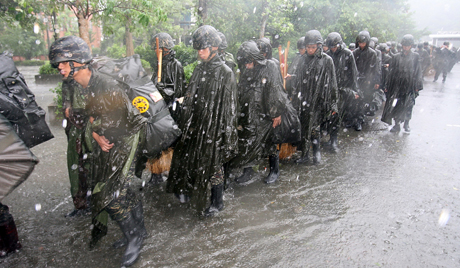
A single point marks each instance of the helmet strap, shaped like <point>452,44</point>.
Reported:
<point>74,69</point>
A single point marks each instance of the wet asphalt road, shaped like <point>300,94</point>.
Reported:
<point>381,201</point>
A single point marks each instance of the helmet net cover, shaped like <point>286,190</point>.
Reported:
<point>69,48</point>
<point>205,36</point>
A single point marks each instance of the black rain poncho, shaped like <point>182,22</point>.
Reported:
<point>209,136</point>
<point>404,79</point>
<point>368,67</point>
<point>292,69</point>
<point>315,93</point>
<point>346,75</point>
<point>172,81</point>
<point>261,98</point>
<point>120,122</point>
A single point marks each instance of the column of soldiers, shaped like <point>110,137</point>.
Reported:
<point>228,125</point>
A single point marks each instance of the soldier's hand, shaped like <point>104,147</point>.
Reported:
<point>276,121</point>
<point>356,96</point>
<point>103,142</point>
<point>67,112</point>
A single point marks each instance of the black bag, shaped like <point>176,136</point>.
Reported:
<point>17,104</point>
<point>289,129</point>
<point>161,130</point>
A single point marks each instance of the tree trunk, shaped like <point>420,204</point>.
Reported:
<point>203,11</point>
<point>129,38</point>
<point>263,23</point>
<point>83,25</point>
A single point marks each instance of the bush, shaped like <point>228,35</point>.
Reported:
<point>185,55</point>
<point>47,69</point>
<point>188,70</point>
<point>116,51</point>
<point>147,54</point>
<point>58,98</point>
<point>146,64</point>
<point>30,63</point>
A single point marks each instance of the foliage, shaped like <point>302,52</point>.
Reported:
<point>116,51</point>
<point>185,54</point>
<point>147,54</point>
<point>58,97</point>
<point>30,63</point>
<point>146,64</point>
<point>21,41</point>
<point>188,70</point>
<point>48,69</point>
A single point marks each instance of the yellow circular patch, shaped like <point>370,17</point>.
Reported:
<point>141,103</point>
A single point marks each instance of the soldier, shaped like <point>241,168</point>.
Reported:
<point>442,57</point>
<point>424,58</point>
<point>314,95</point>
<point>261,100</point>
<point>108,107</point>
<point>346,75</point>
<point>352,46</point>
<point>385,67</point>
<point>368,75</point>
<point>208,122</point>
<point>227,57</point>
<point>403,84</point>
<point>294,65</point>
<point>171,85</point>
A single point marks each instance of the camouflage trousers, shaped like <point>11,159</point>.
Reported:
<point>120,207</point>
<point>217,178</point>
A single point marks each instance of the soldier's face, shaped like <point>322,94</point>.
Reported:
<point>406,48</point>
<point>311,49</point>
<point>203,54</point>
<point>64,69</point>
<point>333,49</point>
<point>249,65</point>
<point>302,51</point>
<point>362,45</point>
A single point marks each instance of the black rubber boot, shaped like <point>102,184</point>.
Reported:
<point>247,175</point>
<point>406,126</point>
<point>396,128</point>
<point>132,231</point>
<point>316,153</point>
<point>303,158</point>
<point>156,179</point>
<point>138,214</point>
<point>334,143</point>
<point>217,200</point>
<point>274,161</point>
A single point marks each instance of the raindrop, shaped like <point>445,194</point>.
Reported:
<point>264,80</point>
<point>88,193</point>
<point>295,8</point>
<point>277,36</point>
<point>310,9</point>
<point>301,4</point>
<point>56,31</point>
<point>304,103</point>
<point>246,104</point>
<point>116,194</point>
<point>74,167</point>
<point>64,123</point>
<point>360,138</point>
<point>255,8</point>
<point>443,218</point>
<point>200,8</point>
<point>174,106</point>
<point>143,183</point>
<point>114,168</point>
<point>370,145</point>
<point>37,42</point>
<point>305,81</point>
<point>38,207</point>
<point>85,156</point>
<point>175,127</point>
<point>345,68</point>
<point>345,130</point>
<point>20,42</point>
<point>315,141</point>
<point>356,14</point>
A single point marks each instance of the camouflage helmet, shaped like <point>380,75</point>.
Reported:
<point>375,39</point>
<point>265,47</point>
<point>164,41</point>
<point>399,46</point>
<point>313,37</point>
<point>407,40</point>
<point>69,48</point>
<point>249,52</point>
<point>352,46</point>
<point>223,45</point>
<point>382,47</point>
<point>205,36</point>
<point>363,37</point>
<point>301,43</point>
<point>333,39</point>
<point>420,45</point>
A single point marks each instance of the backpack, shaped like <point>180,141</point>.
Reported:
<point>17,104</point>
<point>161,130</point>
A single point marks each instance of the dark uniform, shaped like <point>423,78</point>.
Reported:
<point>346,75</point>
<point>208,122</point>
<point>368,75</point>
<point>227,57</point>
<point>403,84</point>
<point>314,95</point>
<point>261,98</point>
